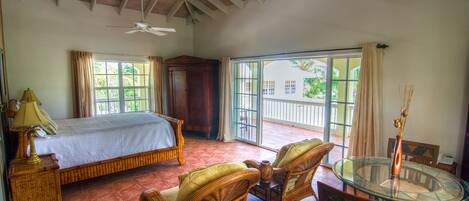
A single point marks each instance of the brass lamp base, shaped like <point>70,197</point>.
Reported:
<point>33,157</point>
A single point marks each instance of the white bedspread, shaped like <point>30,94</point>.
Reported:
<point>87,140</point>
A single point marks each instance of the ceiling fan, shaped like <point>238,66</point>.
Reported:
<point>143,26</point>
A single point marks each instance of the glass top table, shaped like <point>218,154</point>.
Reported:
<point>416,182</point>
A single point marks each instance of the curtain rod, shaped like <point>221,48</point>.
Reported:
<point>116,54</point>
<point>379,45</point>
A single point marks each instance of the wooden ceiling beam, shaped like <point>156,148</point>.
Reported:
<point>174,9</point>
<point>92,4</point>
<point>238,3</point>
<point>202,7</point>
<point>150,7</point>
<point>220,5</point>
<point>122,5</point>
<point>193,15</point>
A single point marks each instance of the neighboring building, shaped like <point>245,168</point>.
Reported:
<point>284,80</point>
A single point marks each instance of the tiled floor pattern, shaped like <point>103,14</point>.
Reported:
<point>276,135</point>
<point>128,185</point>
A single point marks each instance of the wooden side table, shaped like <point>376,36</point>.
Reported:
<point>35,181</point>
<point>450,168</point>
<point>266,191</point>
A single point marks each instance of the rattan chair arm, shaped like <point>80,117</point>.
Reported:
<point>252,164</point>
<point>151,195</point>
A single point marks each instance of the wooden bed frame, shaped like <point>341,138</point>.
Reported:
<point>101,168</point>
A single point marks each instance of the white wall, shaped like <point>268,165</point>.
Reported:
<point>429,42</point>
<point>282,70</point>
<point>39,36</point>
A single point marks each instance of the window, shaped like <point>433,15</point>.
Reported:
<point>121,87</point>
<point>290,87</point>
<point>269,87</point>
<point>247,86</point>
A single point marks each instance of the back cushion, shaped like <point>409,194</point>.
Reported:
<point>291,151</point>
<point>196,179</point>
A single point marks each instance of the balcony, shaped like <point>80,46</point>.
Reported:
<point>288,121</point>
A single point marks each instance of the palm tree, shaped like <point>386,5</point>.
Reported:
<point>304,64</point>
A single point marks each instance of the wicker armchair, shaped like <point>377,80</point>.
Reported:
<point>296,177</point>
<point>234,187</point>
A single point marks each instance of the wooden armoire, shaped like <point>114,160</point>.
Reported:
<point>465,160</point>
<point>193,93</point>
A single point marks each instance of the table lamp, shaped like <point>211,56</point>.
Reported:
<point>29,117</point>
<point>30,96</point>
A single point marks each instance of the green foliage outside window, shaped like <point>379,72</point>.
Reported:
<point>314,88</point>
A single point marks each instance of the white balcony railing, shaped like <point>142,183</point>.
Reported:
<point>306,114</point>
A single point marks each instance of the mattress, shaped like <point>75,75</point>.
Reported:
<point>87,140</point>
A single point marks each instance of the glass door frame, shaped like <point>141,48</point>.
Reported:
<point>328,104</point>
<point>258,126</point>
<point>330,55</point>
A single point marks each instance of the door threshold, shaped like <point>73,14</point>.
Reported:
<point>254,144</point>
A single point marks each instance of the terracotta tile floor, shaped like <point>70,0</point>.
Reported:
<point>128,185</point>
<point>276,135</point>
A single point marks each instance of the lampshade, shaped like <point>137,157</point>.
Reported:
<point>29,96</point>
<point>28,116</point>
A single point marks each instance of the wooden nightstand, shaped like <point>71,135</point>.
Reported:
<point>35,182</point>
<point>450,168</point>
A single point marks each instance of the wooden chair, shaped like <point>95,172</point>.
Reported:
<point>296,177</point>
<point>422,153</point>
<point>233,187</point>
<point>327,193</point>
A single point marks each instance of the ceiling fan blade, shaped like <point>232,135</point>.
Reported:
<point>132,31</point>
<point>163,29</point>
<point>113,26</point>
<point>158,33</point>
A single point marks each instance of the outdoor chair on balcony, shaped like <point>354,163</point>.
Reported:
<point>218,182</point>
<point>294,168</point>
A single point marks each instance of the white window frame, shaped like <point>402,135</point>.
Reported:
<point>121,88</point>
<point>290,86</point>
<point>269,87</point>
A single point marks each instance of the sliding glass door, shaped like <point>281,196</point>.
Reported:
<point>342,88</point>
<point>277,101</point>
<point>246,101</point>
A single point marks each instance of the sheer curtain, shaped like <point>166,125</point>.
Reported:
<point>226,111</point>
<point>366,132</point>
<point>82,69</point>
<point>156,84</point>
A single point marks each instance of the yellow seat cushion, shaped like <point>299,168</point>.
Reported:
<point>198,178</point>
<point>170,194</point>
<point>291,151</point>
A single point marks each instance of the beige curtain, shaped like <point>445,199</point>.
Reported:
<point>366,132</point>
<point>226,110</point>
<point>82,69</point>
<point>156,79</point>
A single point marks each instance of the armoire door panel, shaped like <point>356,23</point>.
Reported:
<point>198,107</point>
<point>179,95</point>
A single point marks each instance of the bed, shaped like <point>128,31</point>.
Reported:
<point>97,146</point>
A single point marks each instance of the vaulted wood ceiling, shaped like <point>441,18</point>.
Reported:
<point>173,8</point>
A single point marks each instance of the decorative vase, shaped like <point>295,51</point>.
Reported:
<point>396,163</point>
<point>400,123</point>
<point>267,171</point>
